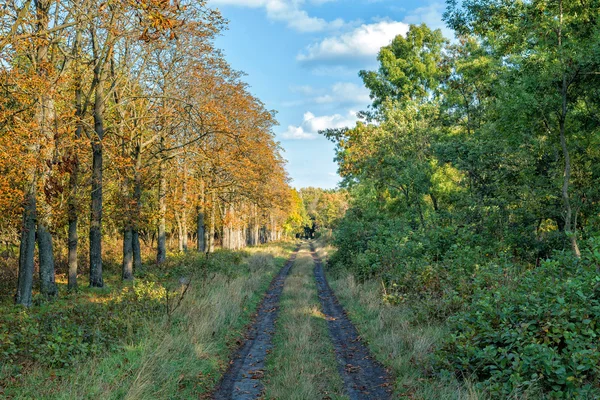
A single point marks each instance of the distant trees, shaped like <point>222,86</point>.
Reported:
<point>324,208</point>
<point>127,111</point>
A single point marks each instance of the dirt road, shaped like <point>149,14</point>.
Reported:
<point>364,378</point>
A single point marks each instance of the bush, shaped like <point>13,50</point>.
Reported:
<point>60,333</point>
<point>539,332</point>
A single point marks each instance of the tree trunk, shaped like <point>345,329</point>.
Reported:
<point>137,196</point>
<point>48,287</point>
<point>96,218</point>
<point>225,240</point>
<point>72,248</point>
<point>73,217</point>
<point>179,233</point>
<point>161,253</point>
<point>27,249</point>
<point>211,231</point>
<point>136,250</point>
<point>184,231</point>
<point>127,273</point>
<point>570,231</point>
<point>72,207</point>
<point>97,161</point>
<point>200,245</point>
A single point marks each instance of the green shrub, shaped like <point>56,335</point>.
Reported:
<point>537,332</point>
<point>60,333</point>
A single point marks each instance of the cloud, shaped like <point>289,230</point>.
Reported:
<point>345,93</point>
<point>362,42</point>
<point>288,11</point>
<point>339,94</point>
<point>432,16</point>
<point>303,89</point>
<point>311,125</point>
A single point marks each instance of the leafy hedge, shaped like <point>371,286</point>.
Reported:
<point>539,333</point>
<point>518,330</point>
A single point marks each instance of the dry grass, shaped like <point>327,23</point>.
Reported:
<point>302,364</point>
<point>178,359</point>
<point>396,340</point>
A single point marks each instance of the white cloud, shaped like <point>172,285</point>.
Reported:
<point>311,125</point>
<point>303,89</point>
<point>345,93</point>
<point>432,16</point>
<point>339,94</point>
<point>363,42</point>
<point>288,11</point>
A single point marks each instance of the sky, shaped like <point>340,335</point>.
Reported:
<point>302,59</point>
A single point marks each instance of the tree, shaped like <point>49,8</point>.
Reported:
<point>549,49</point>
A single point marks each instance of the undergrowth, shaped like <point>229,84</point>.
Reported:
<point>138,340</point>
<point>509,329</point>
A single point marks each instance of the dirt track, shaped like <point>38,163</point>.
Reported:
<point>364,378</point>
<point>243,377</point>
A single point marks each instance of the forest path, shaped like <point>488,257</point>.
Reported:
<point>243,377</point>
<point>364,378</point>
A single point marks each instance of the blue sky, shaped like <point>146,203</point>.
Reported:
<point>302,59</point>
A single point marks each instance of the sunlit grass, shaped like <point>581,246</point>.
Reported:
<point>302,363</point>
<point>396,339</point>
<point>180,357</point>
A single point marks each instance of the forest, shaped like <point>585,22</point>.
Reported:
<point>153,244</point>
<point>474,192</point>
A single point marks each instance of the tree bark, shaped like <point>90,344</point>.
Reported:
<point>26,250</point>
<point>179,233</point>
<point>127,273</point>
<point>161,253</point>
<point>570,231</point>
<point>211,230</point>
<point>48,287</point>
<point>200,245</point>
<point>184,231</point>
<point>137,196</point>
<point>96,279</point>
<point>72,207</point>
<point>72,247</point>
<point>96,217</point>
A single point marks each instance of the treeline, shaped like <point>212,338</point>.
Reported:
<point>122,119</point>
<point>475,192</point>
<point>316,211</point>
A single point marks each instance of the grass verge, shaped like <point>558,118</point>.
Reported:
<point>302,363</point>
<point>396,336</point>
<point>176,356</point>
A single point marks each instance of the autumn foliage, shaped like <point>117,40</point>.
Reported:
<point>120,121</point>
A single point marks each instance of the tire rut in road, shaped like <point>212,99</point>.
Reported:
<point>364,378</point>
<point>242,380</point>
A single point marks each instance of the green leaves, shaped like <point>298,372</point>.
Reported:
<point>539,331</point>
<point>410,68</point>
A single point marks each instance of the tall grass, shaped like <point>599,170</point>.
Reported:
<point>396,337</point>
<point>179,356</point>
